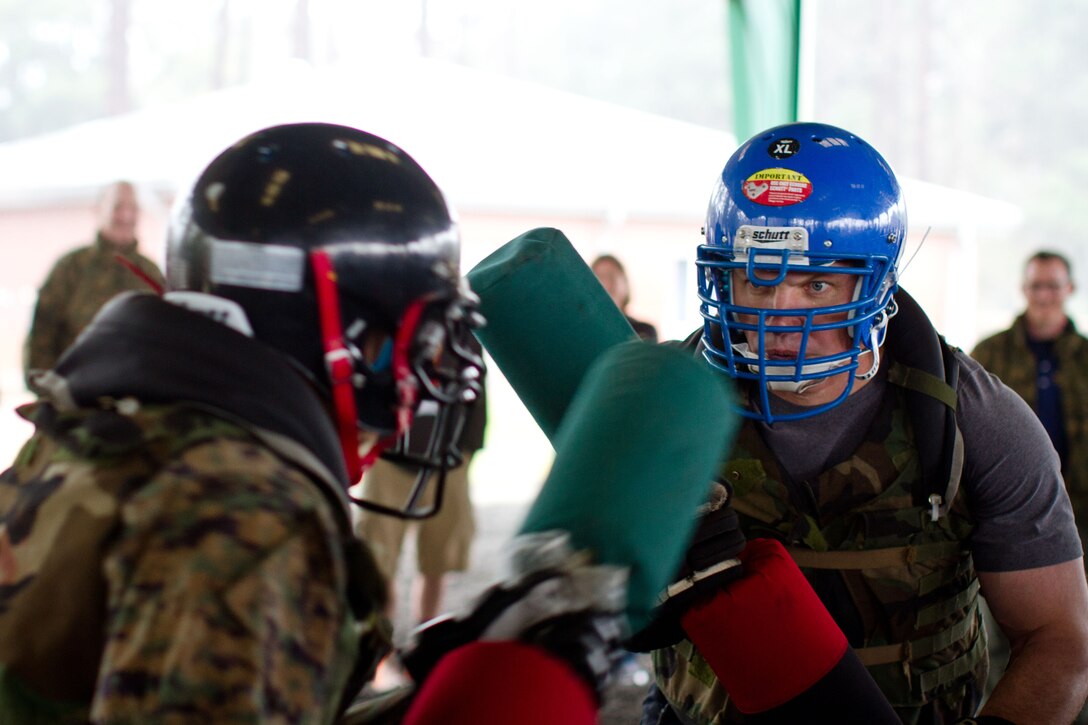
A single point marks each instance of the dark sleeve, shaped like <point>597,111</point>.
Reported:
<point>644,330</point>
<point>1012,479</point>
<point>845,694</point>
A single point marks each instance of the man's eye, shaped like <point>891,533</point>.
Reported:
<point>818,285</point>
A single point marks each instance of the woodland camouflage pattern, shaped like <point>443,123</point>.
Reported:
<point>927,594</point>
<point>218,567</point>
<point>1007,355</point>
<point>79,284</point>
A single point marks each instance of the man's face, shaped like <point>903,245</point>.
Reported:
<point>1046,287</point>
<point>118,215</point>
<point>799,291</point>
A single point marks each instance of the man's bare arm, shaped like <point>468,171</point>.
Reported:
<point>1044,613</point>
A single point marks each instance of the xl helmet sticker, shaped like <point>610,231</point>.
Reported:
<point>783,148</point>
<point>777,187</point>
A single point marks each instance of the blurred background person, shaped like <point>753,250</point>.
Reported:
<point>613,277</point>
<point>1045,360</point>
<point>86,278</point>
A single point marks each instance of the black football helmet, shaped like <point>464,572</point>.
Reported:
<point>345,257</point>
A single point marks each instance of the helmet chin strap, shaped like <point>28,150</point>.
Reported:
<point>874,348</point>
<point>338,362</point>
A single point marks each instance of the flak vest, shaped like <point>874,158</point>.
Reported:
<point>896,575</point>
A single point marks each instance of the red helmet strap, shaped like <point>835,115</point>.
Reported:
<point>338,362</point>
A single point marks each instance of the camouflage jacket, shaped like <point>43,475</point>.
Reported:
<point>78,285</point>
<point>1007,355</point>
<point>902,586</point>
<point>173,546</point>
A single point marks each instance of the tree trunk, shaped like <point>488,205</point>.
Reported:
<point>302,30</point>
<point>222,44</point>
<point>118,99</point>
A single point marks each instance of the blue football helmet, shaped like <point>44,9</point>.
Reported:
<point>800,197</point>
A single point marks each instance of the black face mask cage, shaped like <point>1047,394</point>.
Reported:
<point>440,455</point>
<point>448,363</point>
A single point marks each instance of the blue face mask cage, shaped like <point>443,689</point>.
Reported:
<point>865,317</point>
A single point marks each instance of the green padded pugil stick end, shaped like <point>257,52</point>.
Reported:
<point>635,457</point>
<point>548,319</point>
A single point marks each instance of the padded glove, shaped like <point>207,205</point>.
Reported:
<point>778,652</point>
<point>551,596</point>
<point>710,563</point>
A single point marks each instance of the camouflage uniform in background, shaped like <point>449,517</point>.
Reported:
<point>78,285</point>
<point>186,535</point>
<point>1007,355</point>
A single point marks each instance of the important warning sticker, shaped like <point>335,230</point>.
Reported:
<point>777,187</point>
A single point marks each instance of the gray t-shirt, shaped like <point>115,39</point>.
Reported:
<point>1011,473</point>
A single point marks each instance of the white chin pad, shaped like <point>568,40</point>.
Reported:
<point>789,386</point>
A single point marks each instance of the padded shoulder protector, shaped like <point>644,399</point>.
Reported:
<point>931,381</point>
